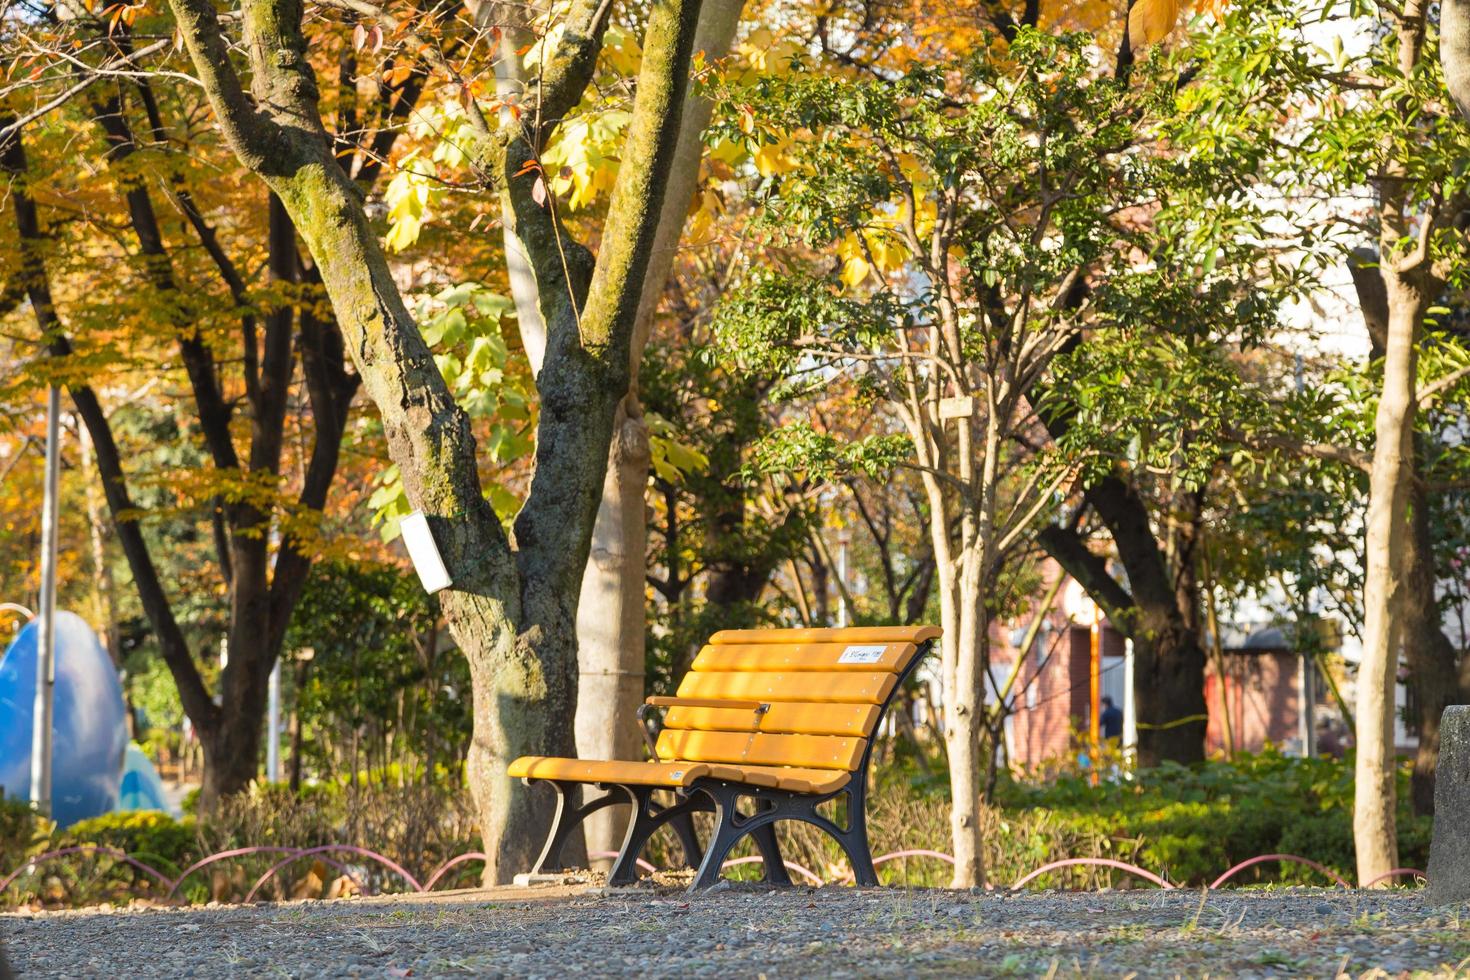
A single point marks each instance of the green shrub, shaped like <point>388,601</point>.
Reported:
<point>22,832</point>
<point>154,838</point>
<point>1195,822</point>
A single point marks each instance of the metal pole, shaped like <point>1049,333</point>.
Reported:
<point>842,578</point>
<point>1095,676</point>
<point>1308,709</point>
<point>273,727</point>
<point>46,641</point>
<point>1130,710</point>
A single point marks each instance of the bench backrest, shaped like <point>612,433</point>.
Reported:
<point>825,688</point>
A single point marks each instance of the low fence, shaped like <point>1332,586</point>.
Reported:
<point>331,854</point>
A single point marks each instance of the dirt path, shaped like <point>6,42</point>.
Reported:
<point>745,931</point>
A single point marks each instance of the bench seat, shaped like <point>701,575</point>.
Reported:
<point>676,774</point>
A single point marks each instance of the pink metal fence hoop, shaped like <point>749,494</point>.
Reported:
<point>1295,858</point>
<point>452,862</point>
<point>1397,873</point>
<point>612,854</point>
<point>334,848</point>
<point>224,855</point>
<point>1132,869</point>
<point>111,852</point>
<point>790,865</point>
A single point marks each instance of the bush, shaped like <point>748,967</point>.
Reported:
<point>1196,822</point>
<point>154,838</point>
<point>416,824</point>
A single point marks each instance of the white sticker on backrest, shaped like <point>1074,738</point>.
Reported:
<point>862,654</point>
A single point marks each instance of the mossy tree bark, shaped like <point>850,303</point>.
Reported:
<point>512,608</point>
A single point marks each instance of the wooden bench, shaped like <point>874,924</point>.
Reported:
<point>768,725</point>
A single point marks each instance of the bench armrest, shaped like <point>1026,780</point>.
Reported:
<point>663,702</point>
<point>651,727</point>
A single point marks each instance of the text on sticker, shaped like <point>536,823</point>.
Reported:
<point>862,654</point>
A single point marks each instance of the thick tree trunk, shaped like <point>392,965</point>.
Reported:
<point>1168,690</point>
<point>231,756</point>
<point>1169,659</point>
<point>1388,532</point>
<point>512,612</point>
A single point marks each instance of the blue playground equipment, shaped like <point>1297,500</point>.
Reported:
<point>90,736</point>
<point>141,787</point>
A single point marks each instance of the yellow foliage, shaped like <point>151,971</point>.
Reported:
<point>771,159</point>
<point>764,53</point>
<point>583,156</point>
<point>620,51</point>
<point>1150,21</point>
<point>705,210</point>
<point>884,252</point>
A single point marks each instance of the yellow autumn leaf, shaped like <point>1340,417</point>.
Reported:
<point>1150,21</point>
<point>765,53</point>
<point>854,271</point>
<point>888,251</point>
<point>771,159</point>
<point>705,209</point>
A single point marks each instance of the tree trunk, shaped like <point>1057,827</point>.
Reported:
<point>1454,51</point>
<point>512,611</point>
<point>1374,828</point>
<point>964,722</point>
<point>1434,676</point>
<point>611,616</point>
<point>613,606</point>
<point>1169,659</point>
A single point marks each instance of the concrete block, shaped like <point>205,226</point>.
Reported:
<point>1449,849</point>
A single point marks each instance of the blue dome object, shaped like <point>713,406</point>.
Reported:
<point>141,787</point>
<point>87,721</point>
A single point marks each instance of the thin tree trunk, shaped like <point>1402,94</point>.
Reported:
<point>611,615</point>
<point>1454,51</point>
<point>1374,826</point>
<point>1434,673</point>
<point>963,724</point>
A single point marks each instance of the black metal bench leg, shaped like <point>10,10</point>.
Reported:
<point>647,818</point>
<point>569,816</point>
<point>854,840</point>
<point>625,867</point>
<point>855,845</point>
<point>725,835</point>
<point>765,839</point>
<point>683,827</point>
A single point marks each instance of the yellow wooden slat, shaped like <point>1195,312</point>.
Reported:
<point>843,657</point>
<point>817,686</point>
<point>807,751</point>
<point>782,717</point>
<point>599,771</point>
<point>851,634</point>
<point>755,776</point>
<point>791,778</point>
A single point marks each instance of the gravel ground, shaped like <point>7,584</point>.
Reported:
<point>746,931</point>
